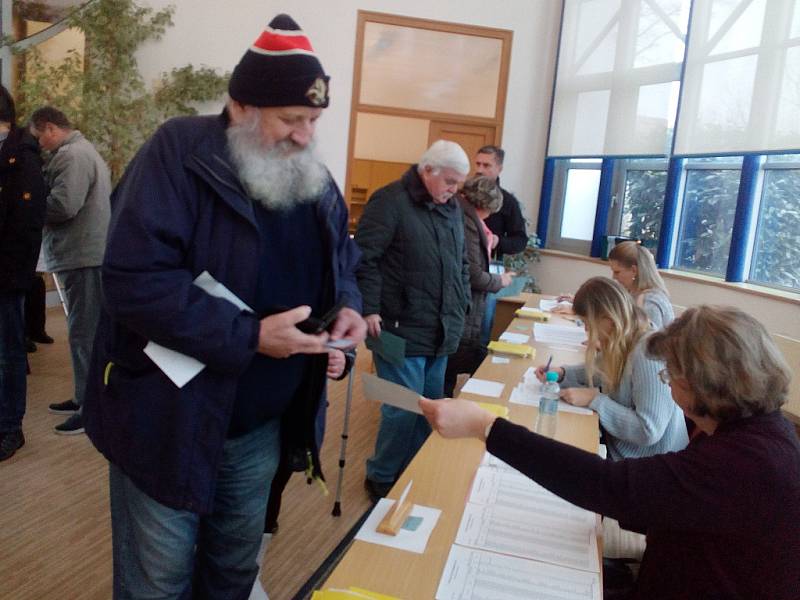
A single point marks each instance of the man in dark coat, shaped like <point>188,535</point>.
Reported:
<point>414,279</point>
<point>238,200</point>
<point>22,208</point>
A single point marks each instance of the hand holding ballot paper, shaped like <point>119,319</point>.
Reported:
<point>279,334</point>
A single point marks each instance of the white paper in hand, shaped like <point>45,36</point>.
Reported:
<point>180,368</point>
<point>380,390</point>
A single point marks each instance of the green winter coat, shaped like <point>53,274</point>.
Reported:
<point>414,272</point>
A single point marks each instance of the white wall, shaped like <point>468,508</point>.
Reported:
<point>556,274</point>
<point>213,33</point>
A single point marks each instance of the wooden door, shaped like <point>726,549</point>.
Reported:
<point>469,137</point>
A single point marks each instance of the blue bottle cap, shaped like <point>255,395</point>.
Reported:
<point>551,376</point>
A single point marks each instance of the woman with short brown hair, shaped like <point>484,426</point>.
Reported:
<point>722,516</point>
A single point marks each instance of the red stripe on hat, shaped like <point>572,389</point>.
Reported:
<point>275,42</point>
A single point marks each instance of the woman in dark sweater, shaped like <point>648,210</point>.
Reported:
<point>722,516</point>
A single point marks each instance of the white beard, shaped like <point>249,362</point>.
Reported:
<point>279,177</point>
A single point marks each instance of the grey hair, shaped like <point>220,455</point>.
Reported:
<point>444,154</point>
<point>483,193</point>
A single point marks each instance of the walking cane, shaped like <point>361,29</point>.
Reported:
<point>337,505</point>
<point>60,295</point>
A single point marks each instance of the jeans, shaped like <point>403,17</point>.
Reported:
<point>488,318</point>
<point>402,433</point>
<point>161,552</point>
<point>13,385</point>
<point>84,300</point>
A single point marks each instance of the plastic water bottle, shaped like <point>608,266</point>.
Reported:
<point>548,406</point>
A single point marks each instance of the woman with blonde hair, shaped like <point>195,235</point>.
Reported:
<point>634,267</point>
<point>618,381</point>
<point>722,516</point>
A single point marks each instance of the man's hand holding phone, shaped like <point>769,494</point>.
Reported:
<point>295,331</point>
<point>279,336</point>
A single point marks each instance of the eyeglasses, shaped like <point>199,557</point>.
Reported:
<point>664,376</point>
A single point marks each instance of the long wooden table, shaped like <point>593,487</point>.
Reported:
<point>443,471</point>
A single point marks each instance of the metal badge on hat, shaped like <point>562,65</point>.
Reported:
<point>318,91</point>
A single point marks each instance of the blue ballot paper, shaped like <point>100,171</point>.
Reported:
<point>390,347</point>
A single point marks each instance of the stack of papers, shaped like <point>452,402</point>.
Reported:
<point>532,313</point>
<point>518,540</point>
<point>511,348</point>
<point>570,335</point>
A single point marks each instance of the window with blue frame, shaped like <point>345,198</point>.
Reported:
<point>725,193</point>
<point>641,190</point>
<point>707,213</point>
<point>776,252</point>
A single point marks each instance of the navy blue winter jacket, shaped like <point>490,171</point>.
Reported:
<point>178,211</point>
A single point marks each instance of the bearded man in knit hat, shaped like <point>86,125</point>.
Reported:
<point>239,197</point>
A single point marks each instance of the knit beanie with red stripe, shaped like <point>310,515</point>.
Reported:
<point>280,69</point>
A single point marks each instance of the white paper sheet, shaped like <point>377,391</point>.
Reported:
<point>490,460</point>
<point>180,368</point>
<point>471,574</point>
<point>413,541</point>
<point>509,513</point>
<point>571,335</point>
<point>526,534</point>
<point>500,360</point>
<point>380,390</point>
<point>547,305</point>
<point>482,387</point>
<point>519,395</point>
<point>515,338</point>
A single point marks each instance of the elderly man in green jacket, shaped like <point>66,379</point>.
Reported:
<point>414,279</point>
<point>74,239</point>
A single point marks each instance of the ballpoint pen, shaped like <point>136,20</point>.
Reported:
<point>547,366</point>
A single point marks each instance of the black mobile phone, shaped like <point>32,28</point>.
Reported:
<point>319,324</point>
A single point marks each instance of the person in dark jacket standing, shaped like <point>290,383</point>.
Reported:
<point>414,279</point>
<point>509,235</point>
<point>480,197</point>
<point>507,224</point>
<point>240,200</point>
<point>22,206</point>
<point>722,516</point>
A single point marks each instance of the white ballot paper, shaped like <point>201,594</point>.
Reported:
<point>529,392</point>
<point>571,335</point>
<point>482,387</point>
<point>380,390</point>
<point>474,575</point>
<point>412,538</point>
<point>520,396</point>
<point>515,338</point>
<point>547,304</point>
<point>511,514</point>
<point>180,368</point>
<point>490,460</point>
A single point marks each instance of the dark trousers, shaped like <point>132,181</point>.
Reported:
<point>467,359</point>
<point>35,308</point>
<point>13,386</point>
